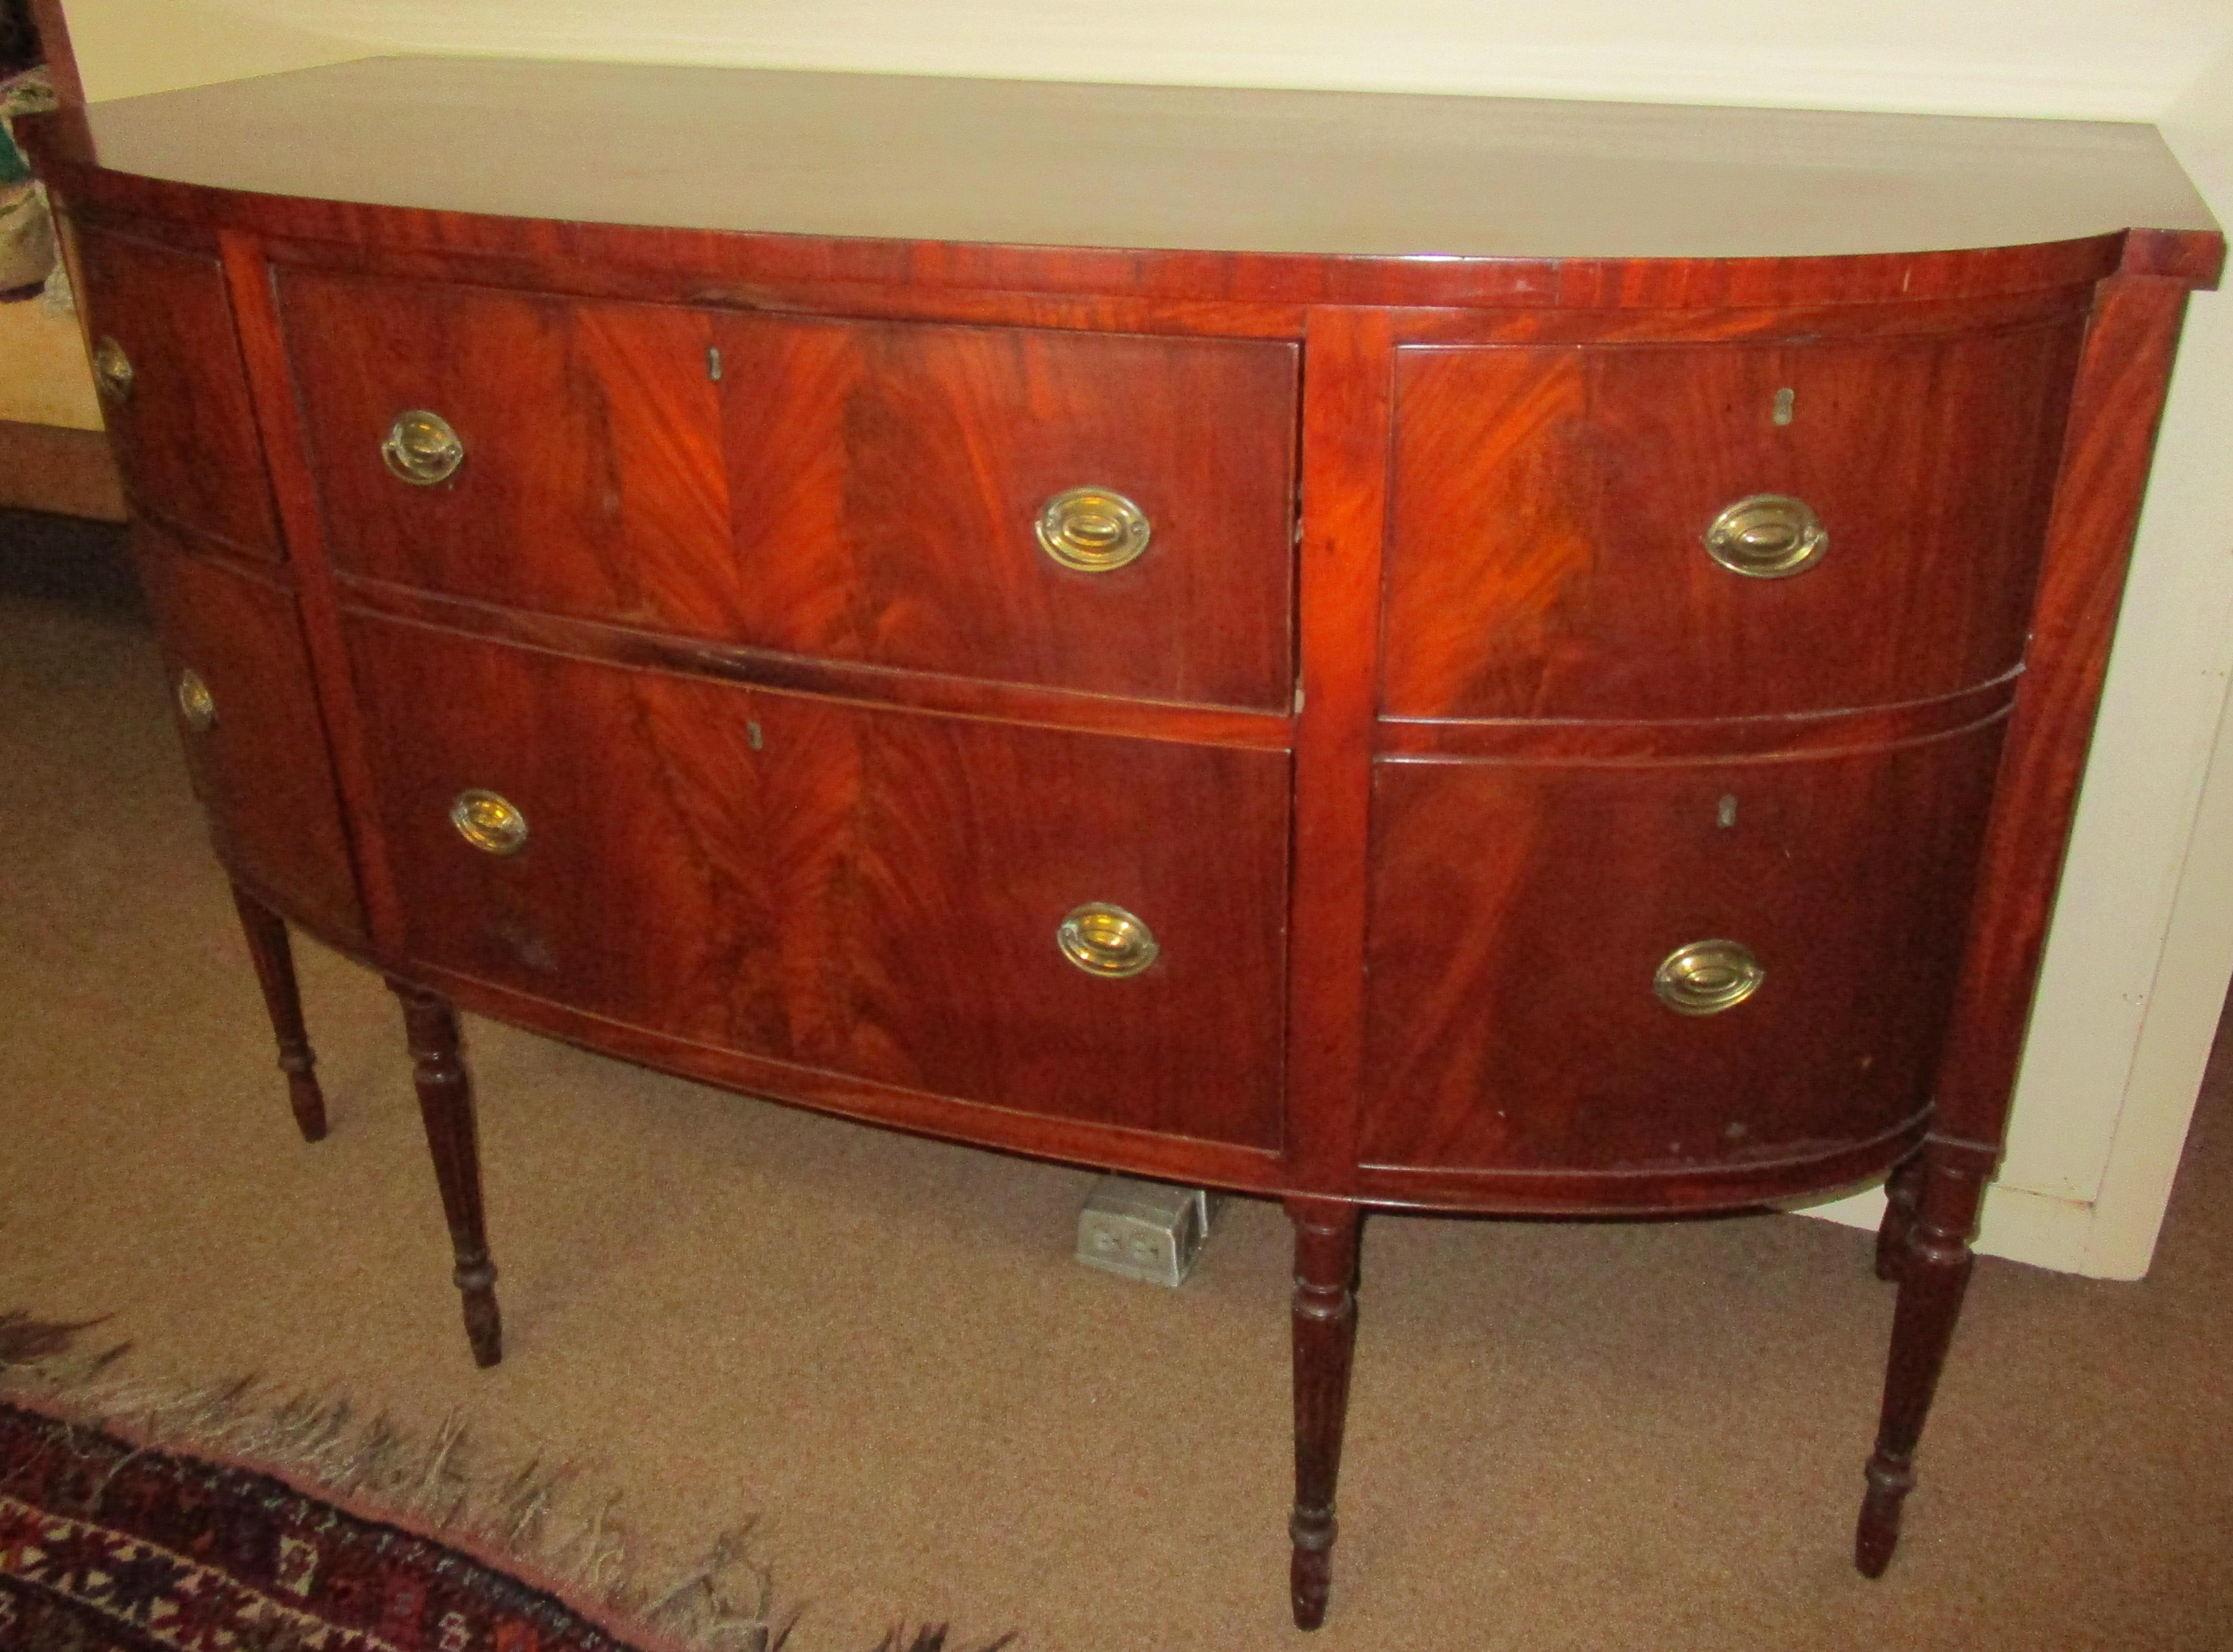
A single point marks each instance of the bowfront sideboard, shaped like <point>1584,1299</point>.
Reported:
<point>1379,652</point>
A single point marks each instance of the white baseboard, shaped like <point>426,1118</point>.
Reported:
<point>2019,1224</point>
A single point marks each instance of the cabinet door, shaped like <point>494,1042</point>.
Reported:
<point>1553,506</point>
<point>173,391</point>
<point>867,891</point>
<point>1522,914</point>
<point>585,477</point>
<point>240,689</point>
<point>907,494</point>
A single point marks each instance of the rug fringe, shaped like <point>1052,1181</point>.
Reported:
<point>521,1509</point>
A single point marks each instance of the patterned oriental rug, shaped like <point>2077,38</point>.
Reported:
<point>168,1541</point>
<point>107,1548</point>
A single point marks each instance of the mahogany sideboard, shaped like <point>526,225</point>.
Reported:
<point>1379,652</point>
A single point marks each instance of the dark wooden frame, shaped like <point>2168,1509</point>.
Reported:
<point>54,47</point>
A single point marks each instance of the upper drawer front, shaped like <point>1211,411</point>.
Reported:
<point>172,390</point>
<point>866,892</point>
<point>1553,505</point>
<point>892,478</point>
<point>239,684</point>
<point>585,477</point>
<point>889,481</point>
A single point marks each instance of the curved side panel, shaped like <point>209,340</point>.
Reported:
<point>249,719</point>
<point>173,390</point>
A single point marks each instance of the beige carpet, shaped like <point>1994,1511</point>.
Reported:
<point>1562,1436</point>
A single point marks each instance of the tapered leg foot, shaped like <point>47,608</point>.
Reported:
<point>445,1107</point>
<point>1934,1273</point>
<point>1326,1339</point>
<point>275,971</point>
<point>1896,1231</point>
<point>1309,1569</point>
<point>1878,1534</point>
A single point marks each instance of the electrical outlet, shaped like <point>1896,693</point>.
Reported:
<point>1144,1229</point>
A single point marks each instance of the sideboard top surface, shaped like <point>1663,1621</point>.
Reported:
<point>1059,164</point>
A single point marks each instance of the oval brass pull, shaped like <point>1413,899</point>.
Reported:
<point>1094,529</point>
<point>1708,977</point>
<point>1103,940</point>
<point>196,704</point>
<point>112,371</point>
<point>489,823</point>
<point>421,448</point>
<point>1767,536</point>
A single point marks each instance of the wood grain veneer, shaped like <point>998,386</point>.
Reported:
<point>260,768</point>
<point>1424,730</point>
<point>186,441</point>
<point>888,477</point>
<point>1519,910</point>
<point>871,892</point>
<point>593,482</point>
<point>1550,503</point>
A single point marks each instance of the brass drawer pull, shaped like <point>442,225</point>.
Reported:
<point>1708,977</point>
<point>196,704</point>
<point>421,448</point>
<point>1767,536</point>
<point>112,372</point>
<point>489,823</point>
<point>1093,529</point>
<point>1103,940</point>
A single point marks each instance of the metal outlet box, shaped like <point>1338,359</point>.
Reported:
<point>1144,1229</point>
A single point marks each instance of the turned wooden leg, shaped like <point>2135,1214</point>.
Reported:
<point>1933,1275</point>
<point>275,971</point>
<point>1896,1233</point>
<point>446,1106</point>
<point>1325,1337</point>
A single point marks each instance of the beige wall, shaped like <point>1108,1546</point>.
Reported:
<point>128,46</point>
<point>2054,57</point>
<point>2143,940</point>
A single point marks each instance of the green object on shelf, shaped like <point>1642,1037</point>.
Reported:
<point>20,94</point>
<point>27,236</point>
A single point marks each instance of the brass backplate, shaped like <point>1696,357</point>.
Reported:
<point>1103,940</point>
<point>197,706</point>
<point>112,371</point>
<point>490,822</point>
<point>421,449</point>
<point>1707,977</point>
<point>1093,529</point>
<point>1767,536</point>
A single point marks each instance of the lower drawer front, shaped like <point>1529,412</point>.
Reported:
<point>1522,916</point>
<point>240,689</point>
<point>862,891</point>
